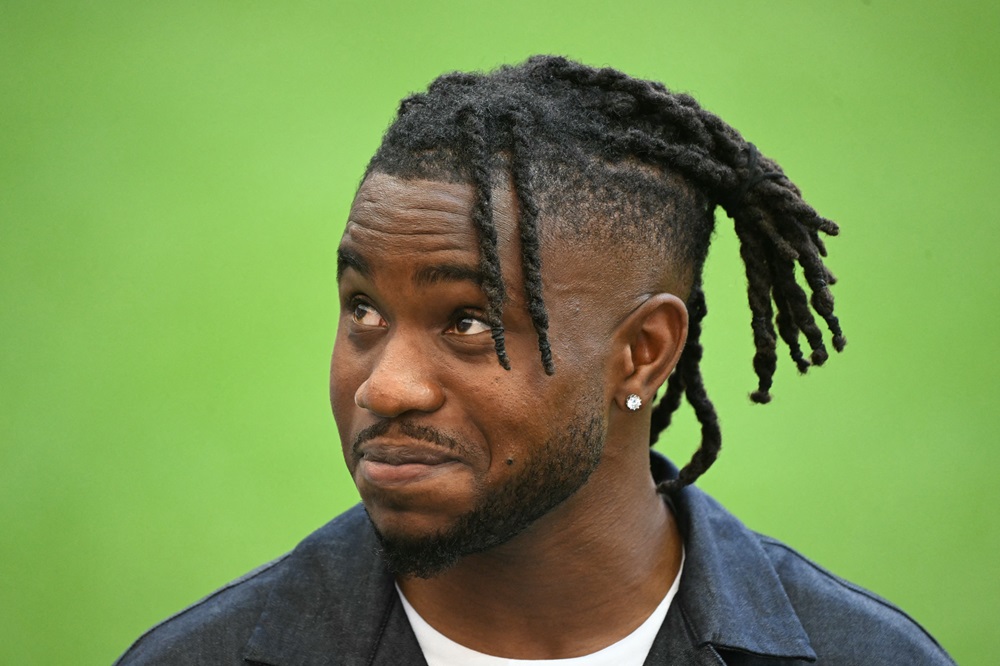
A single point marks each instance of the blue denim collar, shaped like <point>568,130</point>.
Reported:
<point>730,597</point>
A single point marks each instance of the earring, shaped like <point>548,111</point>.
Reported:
<point>633,402</point>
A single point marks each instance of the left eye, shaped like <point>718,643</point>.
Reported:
<point>366,315</point>
<point>468,326</point>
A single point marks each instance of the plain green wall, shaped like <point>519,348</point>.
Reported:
<point>173,181</point>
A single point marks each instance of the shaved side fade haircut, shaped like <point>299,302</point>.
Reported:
<point>625,162</point>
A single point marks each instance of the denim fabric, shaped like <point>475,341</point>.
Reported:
<point>744,599</point>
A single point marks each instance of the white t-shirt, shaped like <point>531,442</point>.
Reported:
<point>439,650</point>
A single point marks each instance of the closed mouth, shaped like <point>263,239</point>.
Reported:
<point>395,465</point>
<point>408,453</point>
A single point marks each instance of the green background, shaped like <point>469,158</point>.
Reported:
<point>174,178</point>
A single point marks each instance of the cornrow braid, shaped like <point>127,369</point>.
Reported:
<point>586,147</point>
<point>531,258</point>
<point>482,218</point>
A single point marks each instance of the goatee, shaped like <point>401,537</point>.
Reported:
<point>549,476</point>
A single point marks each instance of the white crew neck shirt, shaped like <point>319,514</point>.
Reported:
<point>439,650</point>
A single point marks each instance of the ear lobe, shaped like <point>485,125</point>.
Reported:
<point>654,339</point>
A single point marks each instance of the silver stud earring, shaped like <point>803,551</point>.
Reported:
<point>633,402</point>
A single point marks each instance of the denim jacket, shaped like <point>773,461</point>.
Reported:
<point>744,599</point>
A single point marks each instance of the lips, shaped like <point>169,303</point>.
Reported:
<point>385,464</point>
<point>405,453</point>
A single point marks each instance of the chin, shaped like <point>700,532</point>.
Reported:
<point>419,557</point>
<point>406,525</point>
<point>411,515</point>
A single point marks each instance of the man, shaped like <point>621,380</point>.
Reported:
<point>519,276</point>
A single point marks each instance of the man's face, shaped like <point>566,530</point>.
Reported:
<point>451,453</point>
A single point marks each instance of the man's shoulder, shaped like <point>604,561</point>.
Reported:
<point>846,620</point>
<point>752,598</point>
<point>219,624</point>
<point>217,628</point>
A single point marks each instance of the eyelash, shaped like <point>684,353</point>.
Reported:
<point>468,314</point>
<point>368,306</point>
<point>356,301</point>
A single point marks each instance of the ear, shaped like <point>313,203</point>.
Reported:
<point>651,340</point>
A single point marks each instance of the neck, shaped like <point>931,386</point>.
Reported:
<point>579,579</point>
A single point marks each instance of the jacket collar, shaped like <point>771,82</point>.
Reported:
<point>335,602</point>
<point>730,597</point>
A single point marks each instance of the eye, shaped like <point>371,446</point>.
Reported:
<point>365,315</point>
<point>467,324</point>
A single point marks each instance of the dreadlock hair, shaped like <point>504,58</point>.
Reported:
<point>598,153</point>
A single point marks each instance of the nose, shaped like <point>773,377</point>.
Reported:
<point>402,380</point>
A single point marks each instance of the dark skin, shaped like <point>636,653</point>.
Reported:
<point>412,345</point>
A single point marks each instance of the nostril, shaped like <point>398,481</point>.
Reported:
<point>389,395</point>
<point>403,378</point>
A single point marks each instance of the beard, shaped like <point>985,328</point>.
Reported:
<point>549,476</point>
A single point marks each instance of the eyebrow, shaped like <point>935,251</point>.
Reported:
<point>429,275</point>
<point>425,276</point>
<point>347,259</point>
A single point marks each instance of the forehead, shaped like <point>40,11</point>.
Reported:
<point>423,229</point>
<point>391,212</point>
<point>408,215</point>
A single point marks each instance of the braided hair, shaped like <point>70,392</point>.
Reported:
<point>595,151</point>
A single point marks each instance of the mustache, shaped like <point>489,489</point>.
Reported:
<point>409,429</point>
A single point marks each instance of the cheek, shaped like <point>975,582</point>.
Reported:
<point>346,375</point>
<point>517,416</point>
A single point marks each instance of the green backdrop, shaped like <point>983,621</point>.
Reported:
<point>174,178</point>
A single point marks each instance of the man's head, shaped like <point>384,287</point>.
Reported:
<point>556,211</point>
